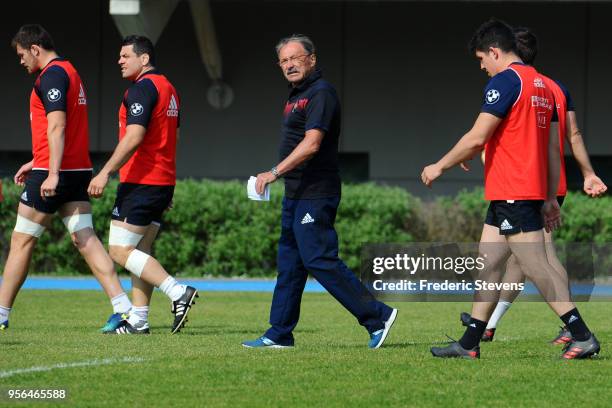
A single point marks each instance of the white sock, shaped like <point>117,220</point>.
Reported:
<point>172,288</point>
<point>121,303</point>
<point>139,315</point>
<point>502,307</point>
<point>4,313</point>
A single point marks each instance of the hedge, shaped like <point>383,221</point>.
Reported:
<point>213,229</point>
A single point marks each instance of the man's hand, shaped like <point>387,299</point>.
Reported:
<point>22,174</point>
<point>97,184</point>
<point>552,215</point>
<point>264,179</point>
<point>465,166</point>
<point>593,186</point>
<point>47,188</point>
<point>430,173</point>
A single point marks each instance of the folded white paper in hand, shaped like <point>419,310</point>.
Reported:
<point>252,193</point>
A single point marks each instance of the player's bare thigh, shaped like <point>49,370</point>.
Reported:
<point>34,215</point>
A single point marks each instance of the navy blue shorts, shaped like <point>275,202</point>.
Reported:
<point>514,217</point>
<point>72,186</point>
<point>522,215</point>
<point>141,204</point>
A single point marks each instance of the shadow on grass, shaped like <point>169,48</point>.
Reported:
<point>407,344</point>
<point>211,328</point>
<point>207,331</point>
<point>393,345</point>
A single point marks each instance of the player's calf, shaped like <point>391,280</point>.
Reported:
<point>122,247</point>
<point>23,240</point>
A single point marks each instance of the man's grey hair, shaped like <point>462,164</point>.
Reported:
<point>302,39</point>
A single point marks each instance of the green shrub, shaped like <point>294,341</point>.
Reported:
<point>373,214</point>
<point>213,229</point>
<point>460,218</point>
<point>455,219</point>
<point>586,219</point>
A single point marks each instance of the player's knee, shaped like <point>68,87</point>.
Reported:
<point>26,231</point>
<point>21,241</point>
<point>489,274</point>
<point>77,222</point>
<point>144,247</point>
<point>119,254</point>
<point>320,263</point>
<point>535,268</point>
<point>513,262</point>
<point>80,227</point>
<point>120,242</point>
<point>136,262</point>
<point>75,241</point>
<point>81,237</point>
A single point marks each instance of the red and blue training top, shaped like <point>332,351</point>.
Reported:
<point>59,88</point>
<point>153,103</point>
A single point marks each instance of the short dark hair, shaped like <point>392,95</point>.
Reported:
<point>493,33</point>
<point>141,45</point>
<point>33,34</point>
<point>526,44</point>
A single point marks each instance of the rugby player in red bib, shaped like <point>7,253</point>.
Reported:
<point>56,179</point>
<point>146,160</point>
<point>527,48</point>
<point>521,181</point>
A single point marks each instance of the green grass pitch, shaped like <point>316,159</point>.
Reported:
<point>330,366</point>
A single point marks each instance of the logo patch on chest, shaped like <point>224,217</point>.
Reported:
<point>297,106</point>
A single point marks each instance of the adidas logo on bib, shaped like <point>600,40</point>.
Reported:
<point>116,212</point>
<point>172,108</point>
<point>307,219</point>
<point>506,225</point>
<point>24,196</point>
<point>82,98</point>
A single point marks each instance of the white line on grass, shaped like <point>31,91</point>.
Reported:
<point>88,363</point>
